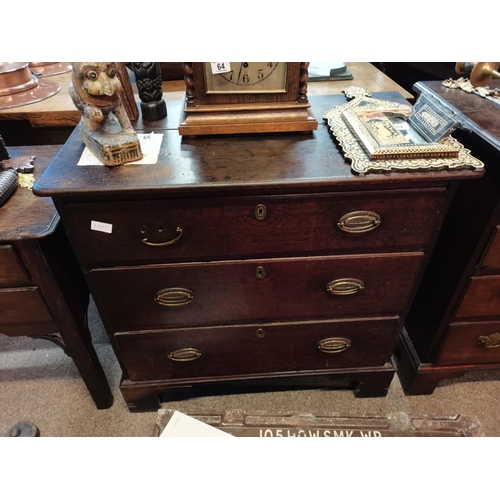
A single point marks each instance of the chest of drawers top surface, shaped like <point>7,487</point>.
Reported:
<point>228,164</point>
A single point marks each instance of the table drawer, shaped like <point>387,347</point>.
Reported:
<point>257,348</point>
<point>256,290</point>
<point>12,271</point>
<point>254,226</point>
<point>482,298</point>
<point>23,311</point>
<point>477,342</point>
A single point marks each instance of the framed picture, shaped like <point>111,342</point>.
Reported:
<point>386,131</point>
<point>378,136</point>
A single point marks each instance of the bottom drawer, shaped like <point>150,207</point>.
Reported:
<point>259,348</point>
<point>467,343</point>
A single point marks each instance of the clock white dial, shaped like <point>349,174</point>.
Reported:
<point>247,77</point>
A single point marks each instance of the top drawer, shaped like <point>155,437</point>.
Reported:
<point>12,272</point>
<point>491,260</point>
<point>482,298</point>
<point>139,232</point>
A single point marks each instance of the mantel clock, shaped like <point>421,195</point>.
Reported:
<point>246,97</point>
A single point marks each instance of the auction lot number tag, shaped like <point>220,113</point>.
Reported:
<point>220,67</point>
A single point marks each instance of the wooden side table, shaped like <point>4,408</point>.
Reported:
<point>42,291</point>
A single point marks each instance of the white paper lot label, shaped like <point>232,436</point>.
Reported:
<point>220,67</point>
<point>103,227</point>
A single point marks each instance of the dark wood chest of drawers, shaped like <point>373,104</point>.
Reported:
<point>249,257</point>
<point>453,326</point>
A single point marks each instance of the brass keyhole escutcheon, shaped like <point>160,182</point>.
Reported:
<point>260,212</point>
<point>260,333</point>
<point>260,273</point>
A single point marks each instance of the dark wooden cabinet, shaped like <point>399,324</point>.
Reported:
<point>42,291</point>
<point>232,258</point>
<point>453,326</point>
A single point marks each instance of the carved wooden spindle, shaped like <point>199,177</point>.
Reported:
<point>188,78</point>
<point>304,75</point>
<point>149,86</point>
<point>128,93</point>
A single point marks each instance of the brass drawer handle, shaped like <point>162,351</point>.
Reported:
<point>333,345</point>
<point>345,286</point>
<point>359,222</point>
<point>178,234</point>
<point>185,354</point>
<point>172,297</point>
<point>490,341</point>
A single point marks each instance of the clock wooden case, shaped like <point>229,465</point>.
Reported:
<point>253,98</point>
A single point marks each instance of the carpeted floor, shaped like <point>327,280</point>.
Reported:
<point>39,383</point>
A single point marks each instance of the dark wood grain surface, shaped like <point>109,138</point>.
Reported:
<point>462,345</point>
<point>490,263</point>
<point>228,291</point>
<point>482,114</point>
<point>227,226</point>
<point>12,271</point>
<point>234,350</point>
<point>25,215</point>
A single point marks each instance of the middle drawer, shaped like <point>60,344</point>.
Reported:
<point>471,342</point>
<point>173,295</point>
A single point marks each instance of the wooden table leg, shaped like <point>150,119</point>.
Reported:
<point>53,268</point>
